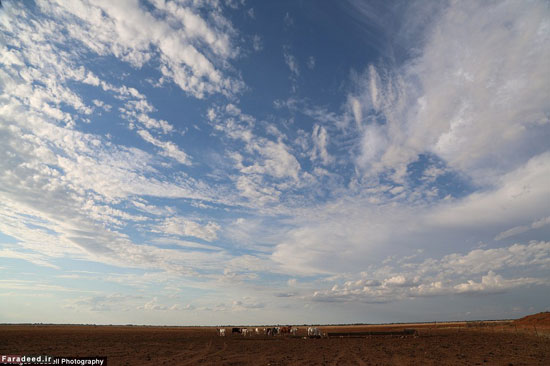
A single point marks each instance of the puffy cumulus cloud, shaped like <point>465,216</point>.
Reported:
<point>474,94</point>
<point>496,283</point>
<point>453,274</point>
<point>187,48</point>
<point>183,227</point>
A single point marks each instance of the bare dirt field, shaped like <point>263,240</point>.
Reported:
<point>481,343</point>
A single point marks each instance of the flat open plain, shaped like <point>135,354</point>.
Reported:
<point>498,343</point>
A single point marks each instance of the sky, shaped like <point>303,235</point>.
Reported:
<point>204,162</point>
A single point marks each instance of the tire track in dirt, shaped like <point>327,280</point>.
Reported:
<point>339,357</point>
<point>220,351</point>
<point>200,356</point>
<point>185,358</point>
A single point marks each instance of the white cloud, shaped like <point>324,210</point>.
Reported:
<point>176,34</point>
<point>521,229</point>
<point>333,237</point>
<point>291,62</point>
<point>496,283</point>
<point>252,188</point>
<point>111,302</point>
<point>357,111</point>
<point>475,103</point>
<point>535,254</point>
<point>246,304</point>
<point>278,162</point>
<point>168,148</point>
<point>374,82</point>
<point>515,196</point>
<point>266,167</point>
<point>184,227</point>
<point>64,185</point>
<point>320,143</point>
<point>103,105</point>
<point>452,274</point>
<point>257,44</point>
<point>512,232</point>
<point>153,304</point>
<point>35,286</point>
<point>541,223</point>
<point>34,258</point>
<point>183,243</point>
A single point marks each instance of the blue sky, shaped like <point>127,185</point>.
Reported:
<point>216,162</point>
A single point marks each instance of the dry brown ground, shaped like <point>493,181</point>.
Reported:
<point>437,344</point>
<point>541,320</point>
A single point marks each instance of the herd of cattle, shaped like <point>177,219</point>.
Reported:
<point>312,332</point>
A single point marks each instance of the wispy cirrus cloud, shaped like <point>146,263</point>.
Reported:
<point>423,114</point>
<point>521,229</point>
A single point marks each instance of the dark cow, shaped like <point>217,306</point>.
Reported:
<point>285,330</point>
<point>236,330</point>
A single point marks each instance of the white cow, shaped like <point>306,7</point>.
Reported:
<point>245,331</point>
<point>257,330</point>
<point>293,331</point>
<point>221,332</point>
<point>313,332</point>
